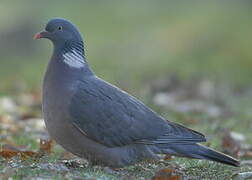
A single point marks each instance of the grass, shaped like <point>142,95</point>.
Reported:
<point>132,44</point>
<point>54,169</point>
<point>52,166</point>
<point>147,39</point>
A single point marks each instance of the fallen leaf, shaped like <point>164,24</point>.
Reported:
<point>166,174</point>
<point>234,144</point>
<point>28,154</point>
<point>231,143</point>
<point>27,115</point>
<point>167,158</point>
<point>9,151</point>
<point>247,154</point>
<point>46,146</point>
<point>8,154</point>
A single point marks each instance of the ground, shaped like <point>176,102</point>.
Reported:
<point>224,116</point>
<point>189,61</point>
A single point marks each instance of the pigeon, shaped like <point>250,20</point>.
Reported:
<point>95,120</point>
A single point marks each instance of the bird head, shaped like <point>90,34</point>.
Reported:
<point>60,31</point>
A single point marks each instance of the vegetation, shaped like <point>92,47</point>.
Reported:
<point>189,61</point>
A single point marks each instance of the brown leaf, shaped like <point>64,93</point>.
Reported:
<point>230,144</point>
<point>166,174</point>
<point>46,146</point>
<point>28,154</point>
<point>8,154</point>
<point>37,97</point>
<point>9,151</point>
<point>247,154</point>
<point>167,158</point>
<point>27,115</point>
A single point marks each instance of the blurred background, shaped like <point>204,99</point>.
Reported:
<point>175,56</point>
<point>191,61</point>
<point>131,42</point>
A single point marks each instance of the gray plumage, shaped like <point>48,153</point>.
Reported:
<point>96,120</point>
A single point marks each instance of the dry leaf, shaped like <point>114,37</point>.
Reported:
<point>9,151</point>
<point>28,154</point>
<point>8,154</point>
<point>166,174</point>
<point>46,146</point>
<point>230,144</point>
<point>167,158</point>
<point>247,154</point>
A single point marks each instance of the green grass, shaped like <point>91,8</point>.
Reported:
<point>132,44</point>
<point>52,166</point>
<point>52,169</point>
<point>147,39</point>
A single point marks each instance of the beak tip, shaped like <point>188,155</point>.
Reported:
<point>37,36</point>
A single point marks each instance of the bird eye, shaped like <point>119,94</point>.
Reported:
<point>60,28</point>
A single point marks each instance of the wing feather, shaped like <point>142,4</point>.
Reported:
<point>112,117</point>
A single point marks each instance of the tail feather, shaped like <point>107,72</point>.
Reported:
<point>210,154</point>
<point>198,151</point>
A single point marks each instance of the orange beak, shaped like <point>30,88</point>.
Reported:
<point>37,36</point>
<point>42,34</point>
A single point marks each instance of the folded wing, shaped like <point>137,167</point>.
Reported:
<point>112,117</point>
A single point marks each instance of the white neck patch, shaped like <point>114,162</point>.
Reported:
<point>74,59</point>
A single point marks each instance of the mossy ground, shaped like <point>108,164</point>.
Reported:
<point>132,44</point>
